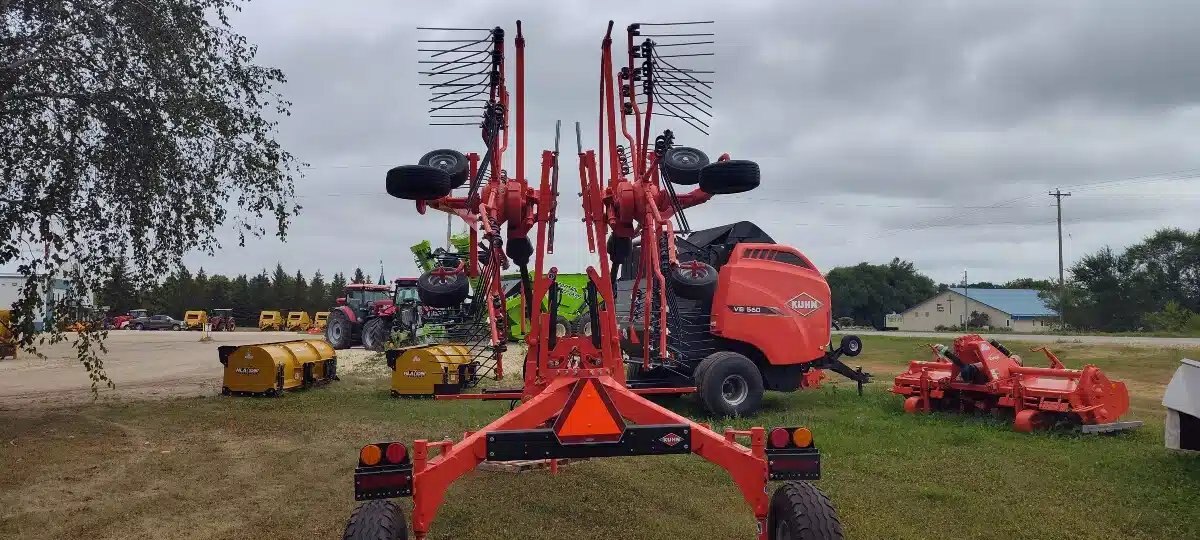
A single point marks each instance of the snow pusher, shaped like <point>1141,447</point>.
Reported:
<point>574,401</point>
<point>429,370</point>
<point>267,369</point>
<point>980,375</point>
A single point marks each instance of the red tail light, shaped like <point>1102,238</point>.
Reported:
<point>780,438</point>
<point>396,453</point>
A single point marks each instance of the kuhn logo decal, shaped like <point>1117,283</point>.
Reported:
<point>247,370</point>
<point>804,304</point>
<point>671,439</point>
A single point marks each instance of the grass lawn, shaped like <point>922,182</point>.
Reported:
<point>219,467</point>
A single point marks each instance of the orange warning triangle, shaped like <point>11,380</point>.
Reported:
<point>589,416</point>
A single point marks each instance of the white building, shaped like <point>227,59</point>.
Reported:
<point>12,284</point>
<point>1022,310</point>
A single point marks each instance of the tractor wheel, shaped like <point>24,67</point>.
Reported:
<point>683,164</point>
<point>694,280</point>
<point>230,326</point>
<point>138,326</point>
<point>800,511</point>
<point>443,290</point>
<point>375,334</point>
<point>418,182</point>
<point>851,346</point>
<point>730,385</point>
<point>562,327</point>
<point>728,177</point>
<point>451,161</point>
<point>583,325</point>
<point>338,330</point>
<point>377,520</point>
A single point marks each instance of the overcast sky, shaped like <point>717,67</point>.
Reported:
<point>929,131</point>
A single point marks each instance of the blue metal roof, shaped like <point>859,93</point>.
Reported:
<point>1015,302</point>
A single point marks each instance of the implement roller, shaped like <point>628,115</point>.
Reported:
<point>431,370</point>
<point>981,375</point>
<point>267,369</point>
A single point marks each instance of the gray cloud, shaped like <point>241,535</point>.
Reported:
<point>930,130</point>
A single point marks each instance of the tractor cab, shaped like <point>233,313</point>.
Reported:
<point>360,297</point>
<point>405,292</point>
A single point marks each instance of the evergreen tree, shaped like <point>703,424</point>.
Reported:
<point>337,288</point>
<point>241,301</point>
<point>119,292</point>
<point>198,295</point>
<point>261,296</point>
<point>359,276</point>
<point>281,289</point>
<point>317,294</point>
<point>299,293</point>
<point>220,292</point>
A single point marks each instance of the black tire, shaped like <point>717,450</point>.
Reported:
<point>694,280</point>
<point>139,327</point>
<point>730,176</point>
<point>519,250</point>
<point>583,325</point>
<point>418,182</point>
<point>375,334</point>
<point>800,511</point>
<point>377,520</point>
<point>563,327</point>
<point>338,330</point>
<point>452,161</point>
<point>683,164</point>
<point>443,290</point>
<point>730,385</point>
<point>851,345</point>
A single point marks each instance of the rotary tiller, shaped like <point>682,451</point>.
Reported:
<point>575,401</point>
<point>981,375</point>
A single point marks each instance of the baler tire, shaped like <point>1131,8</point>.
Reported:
<point>374,334</point>
<point>683,164</point>
<point>729,177</point>
<point>381,519</point>
<point>338,330</point>
<point>800,511</point>
<point>851,346</point>
<point>444,291</point>
<point>452,161</point>
<point>696,281</point>
<point>736,370</point>
<point>418,182</point>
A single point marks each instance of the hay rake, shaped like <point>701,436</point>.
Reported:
<point>575,401</point>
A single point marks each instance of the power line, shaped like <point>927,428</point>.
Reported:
<point>1058,197</point>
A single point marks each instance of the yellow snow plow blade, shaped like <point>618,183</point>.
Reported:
<point>298,321</point>
<point>270,368</point>
<point>430,370</point>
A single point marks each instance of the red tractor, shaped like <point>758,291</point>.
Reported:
<point>222,319</point>
<point>364,315</point>
<point>120,322</point>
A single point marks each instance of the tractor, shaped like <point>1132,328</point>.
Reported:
<point>121,322</point>
<point>363,316</point>
<point>222,319</point>
<point>756,310</point>
<point>571,307</point>
<point>575,401</point>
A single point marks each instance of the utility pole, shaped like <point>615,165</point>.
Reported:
<point>1062,288</point>
<point>966,314</point>
<point>449,244</point>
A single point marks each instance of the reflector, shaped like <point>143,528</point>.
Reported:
<point>589,416</point>
<point>370,455</point>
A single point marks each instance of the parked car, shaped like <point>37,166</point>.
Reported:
<point>156,322</point>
